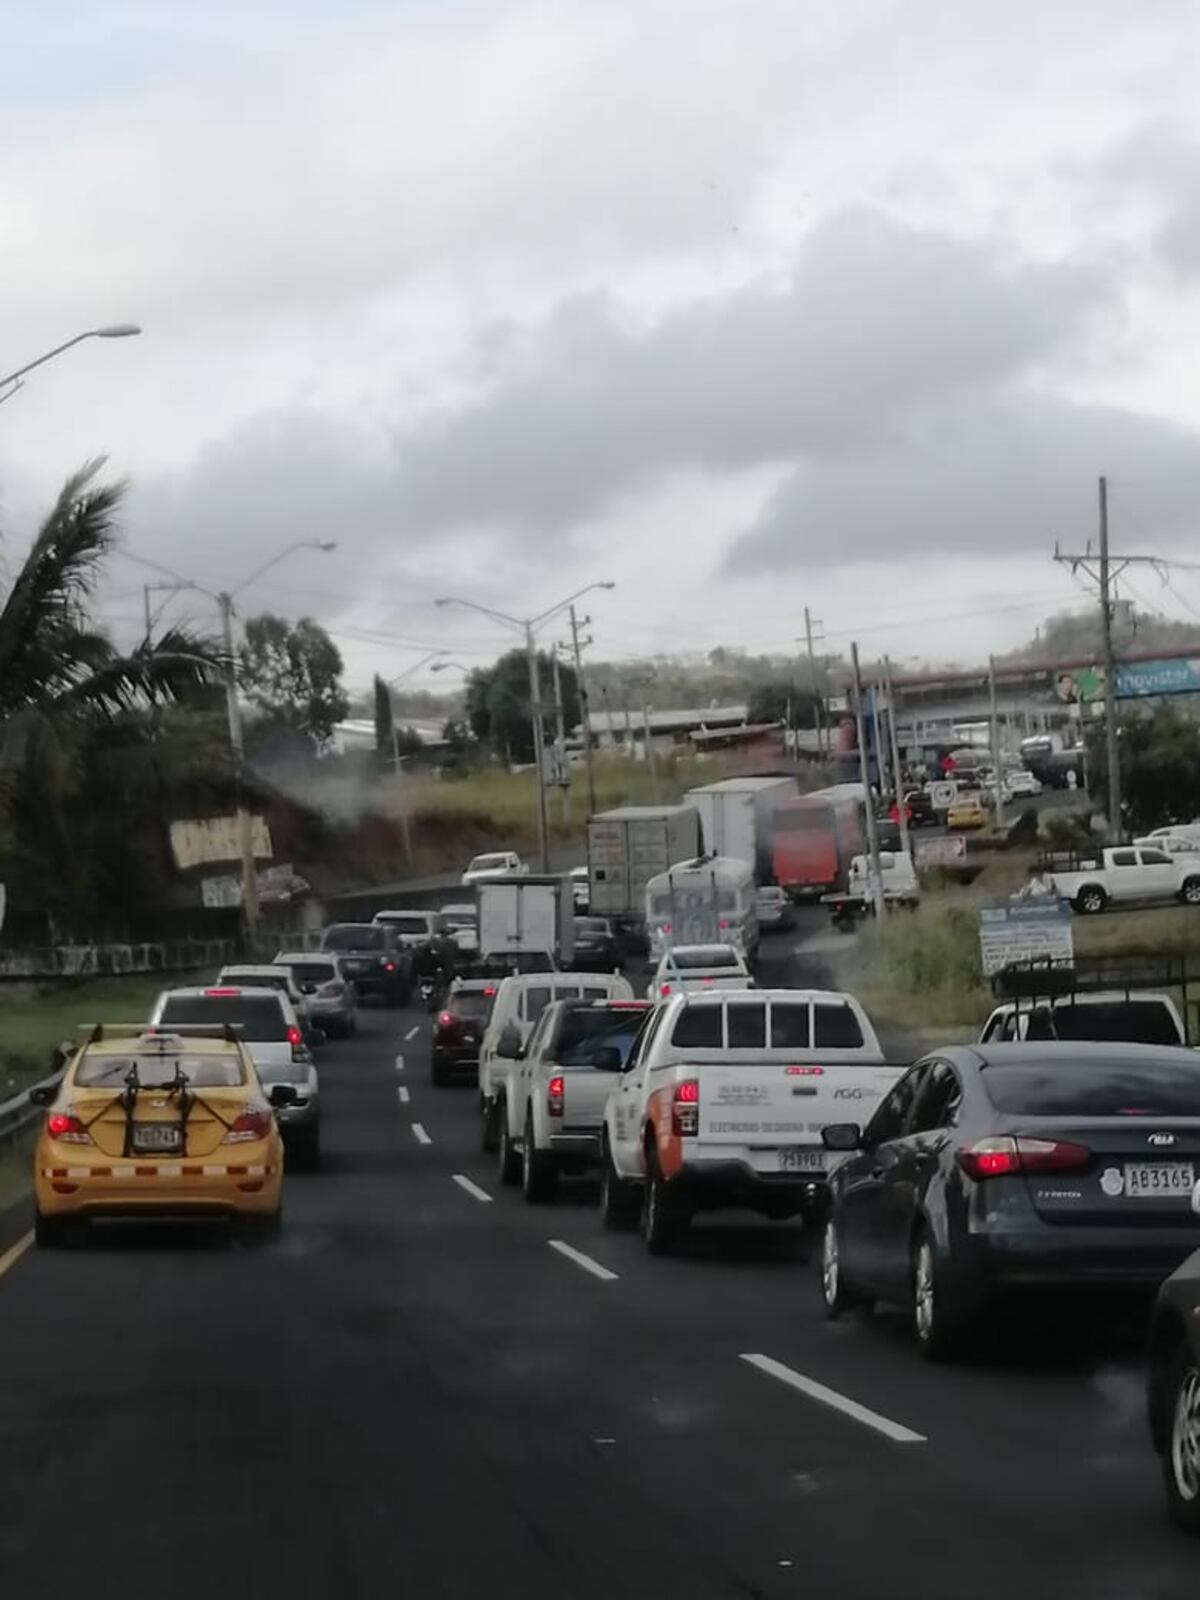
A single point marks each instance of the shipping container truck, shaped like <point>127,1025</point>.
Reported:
<point>815,838</point>
<point>626,848</point>
<point>526,916</point>
<point>736,819</point>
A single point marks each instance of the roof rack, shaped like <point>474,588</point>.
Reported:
<point>1054,978</point>
<point>97,1032</point>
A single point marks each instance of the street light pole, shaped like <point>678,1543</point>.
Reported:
<point>397,770</point>
<point>585,708</point>
<point>116,330</point>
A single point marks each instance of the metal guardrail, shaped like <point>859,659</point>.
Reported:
<point>19,1113</point>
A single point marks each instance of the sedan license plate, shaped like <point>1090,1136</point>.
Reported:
<point>1153,1180</point>
<point>158,1138</point>
<point>802,1161</point>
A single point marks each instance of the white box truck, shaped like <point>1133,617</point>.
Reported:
<point>735,819</point>
<point>526,916</point>
<point>626,848</point>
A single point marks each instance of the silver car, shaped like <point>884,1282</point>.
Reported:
<point>271,1032</point>
<point>331,996</point>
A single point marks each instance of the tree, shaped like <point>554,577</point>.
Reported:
<point>1160,768</point>
<point>497,702</point>
<point>769,702</point>
<point>294,675</point>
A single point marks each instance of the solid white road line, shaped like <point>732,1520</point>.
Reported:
<point>399,1063</point>
<point>420,1135</point>
<point>472,1189</point>
<point>402,1091</point>
<point>413,1031</point>
<point>840,1402</point>
<point>14,1254</point>
<point>580,1260</point>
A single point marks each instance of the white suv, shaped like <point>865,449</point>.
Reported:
<point>723,1101</point>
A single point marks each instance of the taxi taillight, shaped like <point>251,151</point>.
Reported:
<point>67,1128</point>
<point>249,1127</point>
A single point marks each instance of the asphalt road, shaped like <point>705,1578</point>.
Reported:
<point>418,1392</point>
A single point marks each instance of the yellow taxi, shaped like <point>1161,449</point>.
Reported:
<point>966,811</point>
<point>158,1123</point>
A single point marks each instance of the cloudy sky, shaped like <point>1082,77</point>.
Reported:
<point>746,307</point>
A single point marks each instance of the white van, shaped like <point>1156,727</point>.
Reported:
<point>723,1100</point>
<point>711,900</point>
<point>520,1001</point>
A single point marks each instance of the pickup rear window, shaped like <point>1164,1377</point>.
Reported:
<point>699,1027</point>
<point>1094,1088</point>
<point>260,1017</point>
<point>582,1033</point>
<point>1121,1021</point>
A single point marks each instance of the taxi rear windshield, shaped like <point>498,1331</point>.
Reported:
<point>260,1017</point>
<point>223,1071</point>
<point>1094,1088</point>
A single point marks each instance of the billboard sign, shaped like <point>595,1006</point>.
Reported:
<point>1034,929</point>
<point>943,852</point>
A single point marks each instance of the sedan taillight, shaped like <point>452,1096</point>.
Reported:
<point>67,1128</point>
<point>1002,1156</point>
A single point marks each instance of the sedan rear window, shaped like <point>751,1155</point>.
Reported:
<point>1121,1021</point>
<point>312,971</point>
<point>355,936</point>
<point>1094,1088</point>
<point>260,1017</point>
<point>472,1005</point>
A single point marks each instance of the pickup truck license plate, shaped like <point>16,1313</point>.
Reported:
<point>1149,1180</point>
<point>802,1161</point>
<point>159,1138</point>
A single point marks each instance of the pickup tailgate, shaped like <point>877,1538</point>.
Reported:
<point>774,1112</point>
<point>585,1095</point>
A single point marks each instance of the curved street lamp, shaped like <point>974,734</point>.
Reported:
<point>112,330</point>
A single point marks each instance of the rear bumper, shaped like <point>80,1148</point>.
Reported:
<point>215,1188</point>
<point>1056,1257</point>
<point>462,1059</point>
<point>717,1185</point>
<point>579,1148</point>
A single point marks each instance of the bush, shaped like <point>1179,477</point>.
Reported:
<point>923,967</point>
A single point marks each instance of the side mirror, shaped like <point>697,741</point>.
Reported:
<point>842,1136</point>
<point>608,1059</point>
<point>43,1094</point>
<point>281,1094</point>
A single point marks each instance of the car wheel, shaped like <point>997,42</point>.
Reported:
<point>664,1220</point>
<point>940,1332</point>
<point>1181,1458</point>
<point>510,1156</point>
<point>620,1200</point>
<point>1091,900</point>
<point>835,1290</point>
<point>1191,891</point>
<point>539,1175</point>
<point>52,1233</point>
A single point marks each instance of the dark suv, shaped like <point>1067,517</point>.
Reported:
<point>458,1030</point>
<point>372,959</point>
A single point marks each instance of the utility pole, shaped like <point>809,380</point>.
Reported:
<point>1104,569</point>
<point>997,777</point>
<point>560,742</point>
<point>238,745</point>
<point>650,758</point>
<point>876,871</point>
<point>885,781</point>
<point>585,709</point>
<point>539,749</point>
<point>398,775</point>
<point>901,809</point>
<point>812,674</point>
<point>146,604</point>
<point>628,726</point>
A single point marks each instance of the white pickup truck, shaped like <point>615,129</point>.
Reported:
<point>1125,875</point>
<point>723,1101</point>
<point>558,1088</point>
<point>1119,1016</point>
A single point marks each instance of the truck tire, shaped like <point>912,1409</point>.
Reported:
<point>1189,891</point>
<point>487,1127</point>
<point>620,1200</point>
<point>1091,899</point>
<point>539,1173</point>
<point>664,1218</point>
<point>510,1156</point>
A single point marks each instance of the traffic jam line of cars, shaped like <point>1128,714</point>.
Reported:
<point>979,1175</point>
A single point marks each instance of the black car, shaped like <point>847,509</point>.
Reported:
<point>921,813</point>
<point>372,959</point>
<point>997,1169</point>
<point>595,946</point>
<point>1173,1388</point>
<point>458,1030</point>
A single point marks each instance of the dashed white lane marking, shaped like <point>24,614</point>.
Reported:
<point>472,1189</point>
<point>839,1402</point>
<point>413,1031</point>
<point>399,1063</point>
<point>402,1091</point>
<point>580,1260</point>
<point>420,1135</point>
<point>12,1255</point>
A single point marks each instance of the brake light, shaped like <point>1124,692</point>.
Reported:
<point>66,1126</point>
<point>554,1095</point>
<point>685,1108</point>
<point>446,1019</point>
<point>249,1128</point>
<point>803,1072</point>
<point>722,925</point>
<point>666,988</point>
<point>1001,1157</point>
<point>294,1037</point>
<point>389,966</point>
<point>666,927</point>
<point>490,990</point>
<point>221,994</point>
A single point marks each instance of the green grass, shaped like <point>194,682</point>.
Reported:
<point>35,1018</point>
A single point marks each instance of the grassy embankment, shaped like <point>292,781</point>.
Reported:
<point>920,972</point>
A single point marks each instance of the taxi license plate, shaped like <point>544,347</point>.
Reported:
<point>1149,1180</point>
<point>159,1138</point>
<point>802,1161</point>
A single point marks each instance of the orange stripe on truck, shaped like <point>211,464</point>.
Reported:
<point>667,1142</point>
